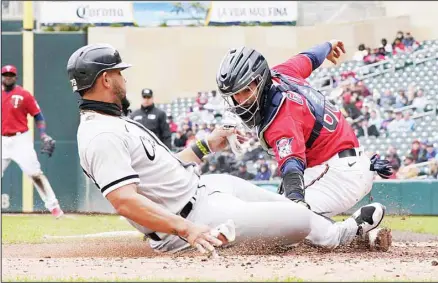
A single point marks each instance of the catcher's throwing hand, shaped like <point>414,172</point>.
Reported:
<point>337,49</point>
<point>48,145</point>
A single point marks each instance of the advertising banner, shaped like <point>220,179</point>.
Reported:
<point>189,13</point>
<point>238,12</point>
<point>84,12</point>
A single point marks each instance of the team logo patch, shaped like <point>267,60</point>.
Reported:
<point>295,97</point>
<point>17,100</point>
<point>284,147</point>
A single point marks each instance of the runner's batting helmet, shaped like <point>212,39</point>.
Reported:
<point>88,62</point>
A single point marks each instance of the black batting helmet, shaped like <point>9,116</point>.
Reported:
<point>238,69</point>
<point>88,62</point>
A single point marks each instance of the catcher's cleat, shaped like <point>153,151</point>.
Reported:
<point>368,217</point>
<point>379,239</point>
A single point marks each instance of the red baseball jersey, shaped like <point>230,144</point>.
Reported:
<point>291,128</point>
<point>16,104</point>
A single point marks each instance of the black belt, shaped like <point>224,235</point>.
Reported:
<point>184,213</point>
<point>347,153</point>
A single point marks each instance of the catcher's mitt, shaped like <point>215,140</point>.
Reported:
<point>48,145</point>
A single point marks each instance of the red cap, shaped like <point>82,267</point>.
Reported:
<point>9,69</point>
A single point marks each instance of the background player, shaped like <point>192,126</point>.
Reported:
<point>316,149</point>
<point>17,142</point>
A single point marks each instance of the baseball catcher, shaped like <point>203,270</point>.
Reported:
<point>322,166</point>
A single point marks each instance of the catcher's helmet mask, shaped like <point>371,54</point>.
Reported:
<point>88,62</point>
<point>238,69</point>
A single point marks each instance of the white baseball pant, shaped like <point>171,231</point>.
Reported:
<point>260,216</point>
<point>338,184</point>
<point>20,149</point>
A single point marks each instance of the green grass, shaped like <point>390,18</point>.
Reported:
<point>416,224</point>
<point>32,228</point>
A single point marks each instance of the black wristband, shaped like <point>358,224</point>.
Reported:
<point>293,185</point>
<point>200,148</point>
<point>197,151</point>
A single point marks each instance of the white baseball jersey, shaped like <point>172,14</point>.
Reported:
<point>116,151</point>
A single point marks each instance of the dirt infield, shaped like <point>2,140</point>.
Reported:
<point>413,257</point>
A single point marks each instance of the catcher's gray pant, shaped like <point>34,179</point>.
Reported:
<point>260,216</point>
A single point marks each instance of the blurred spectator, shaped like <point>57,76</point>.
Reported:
<point>401,100</point>
<point>264,173</point>
<point>366,130</point>
<point>349,106</point>
<point>253,151</point>
<point>387,100</point>
<point>375,119</point>
<point>399,36</point>
<point>215,102</point>
<point>201,99</point>
<point>360,53</point>
<point>370,58</point>
<point>415,150</point>
<point>386,46</point>
<point>190,137</point>
<point>396,124</point>
<point>430,151</point>
<point>420,101</point>
<point>408,123</point>
<point>410,43</point>
<point>407,171</point>
<point>398,47</point>
<point>411,93</point>
<point>433,169</point>
<point>393,158</point>
<point>202,131</point>
<point>422,154</point>
<point>153,118</point>
<point>363,90</point>
<point>243,173</point>
<point>180,140</point>
<point>380,54</point>
<point>366,112</point>
<point>212,167</point>
<point>388,118</point>
<point>172,125</point>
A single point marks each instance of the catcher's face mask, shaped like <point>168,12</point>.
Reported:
<point>245,103</point>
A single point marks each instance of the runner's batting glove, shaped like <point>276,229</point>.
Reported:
<point>382,167</point>
<point>48,145</point>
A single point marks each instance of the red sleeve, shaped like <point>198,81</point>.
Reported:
<point>286,137</point>
<point>299,66</point>
<point>31,104</point>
